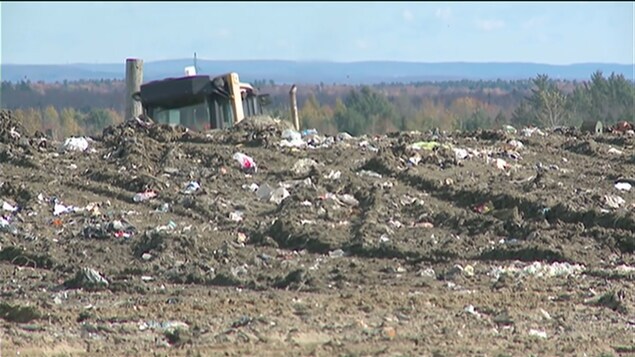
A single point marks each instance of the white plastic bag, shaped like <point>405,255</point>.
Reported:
<point>74,144</point>
<point>247,164</point>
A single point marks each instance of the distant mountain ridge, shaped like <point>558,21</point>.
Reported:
<point>314,72</point>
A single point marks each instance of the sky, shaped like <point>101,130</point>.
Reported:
<point>110,32</point>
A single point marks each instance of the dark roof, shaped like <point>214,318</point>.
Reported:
<point>175,90</point>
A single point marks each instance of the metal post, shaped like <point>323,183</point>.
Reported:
<point>134,78</point>
<point>294,107</point>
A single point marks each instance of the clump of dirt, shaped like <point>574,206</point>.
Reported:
<point>15,313</point>
<point>18,140</point>
<point>257,131</point>
<point>586,147</point>
<point>140,144</point>
<point>10,129</point>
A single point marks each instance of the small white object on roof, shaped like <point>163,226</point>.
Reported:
<point>190,71</point>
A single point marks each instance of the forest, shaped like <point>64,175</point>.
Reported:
<point>86,107</point>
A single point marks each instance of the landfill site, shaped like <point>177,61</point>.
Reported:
<point>259,240</point>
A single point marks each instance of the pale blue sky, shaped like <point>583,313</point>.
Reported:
<point>109,32</point>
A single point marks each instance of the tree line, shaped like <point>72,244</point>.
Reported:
<point>87,107</point>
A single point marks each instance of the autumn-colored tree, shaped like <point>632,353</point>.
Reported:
<point>115,117</point>
<point>51,120</point>
<point>462,110</point>
<point>69,123</point>
<point>29,120</point>
<point>431,115</point>
<point>315,116</point>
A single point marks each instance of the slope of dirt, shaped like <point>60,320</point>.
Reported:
<point>467,245</point>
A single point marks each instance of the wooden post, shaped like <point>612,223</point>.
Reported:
<point>134,78</point>
<point>294,107</point>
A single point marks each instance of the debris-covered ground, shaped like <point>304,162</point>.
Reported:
<point>153,240</point>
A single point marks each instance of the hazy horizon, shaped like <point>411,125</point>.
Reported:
<point>319,61</point>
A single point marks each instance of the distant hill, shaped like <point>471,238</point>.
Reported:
<point>316,72</point>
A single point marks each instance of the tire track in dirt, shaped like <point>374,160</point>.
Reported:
<point>530,209</point>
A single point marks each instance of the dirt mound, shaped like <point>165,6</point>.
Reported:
<point>10,129</point>
<point>257,131</point>
<point>17,145</point>
<point>164,133</point>
<point>140,145</point>
<point>156,238</point>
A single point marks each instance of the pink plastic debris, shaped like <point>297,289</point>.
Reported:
<point>246,163</point>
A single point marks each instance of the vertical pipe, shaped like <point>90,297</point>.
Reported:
<point>294,107</point>
<point>134,78</point>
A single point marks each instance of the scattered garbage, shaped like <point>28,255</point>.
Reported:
<point>515,144</point>
<point>528,132</point>
<point>292,138</point>
<point>342,136</point>
<point>164,208</point>
<point>291,135</point>
<point>615,151</point>
<point>278,195</point>
<point>14,134</point>
<point>470,310</point>
<point>247,164</point>
<point>368,174</point>
<point>6,206</point>
<point>414,160</point>
<point>268,193</point>
<point>168,227</point>
<point>303,167</point>
<point>338,253</point>
<point>253,187</point>
<point>423,225</point>
<point>116,229</point>
<point>613,201</point>
<point>367,145</point>
<point>332,219</point>
<point>87,278</point>
<point>460,154</point>
<point>144,196</point>
<point>191,187</point>
<point>539,269</point>
<point>59,209</point>
<point>623,186</point>
<point>74,144</point>
<point>309,132</point>
<point>333,175</point>
<point>484,207</point>
<point>510,129</point>
<point>166,326</point>
<point>6,226</point>
<point>623,127</point>
<point>501,164</point>
<point>344,199</point>
<point>236,216</point>
<point>428,145</point>
<point>537,333</point>
<point>427,273</point>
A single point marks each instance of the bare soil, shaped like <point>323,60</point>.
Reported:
<point>403,253</point>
